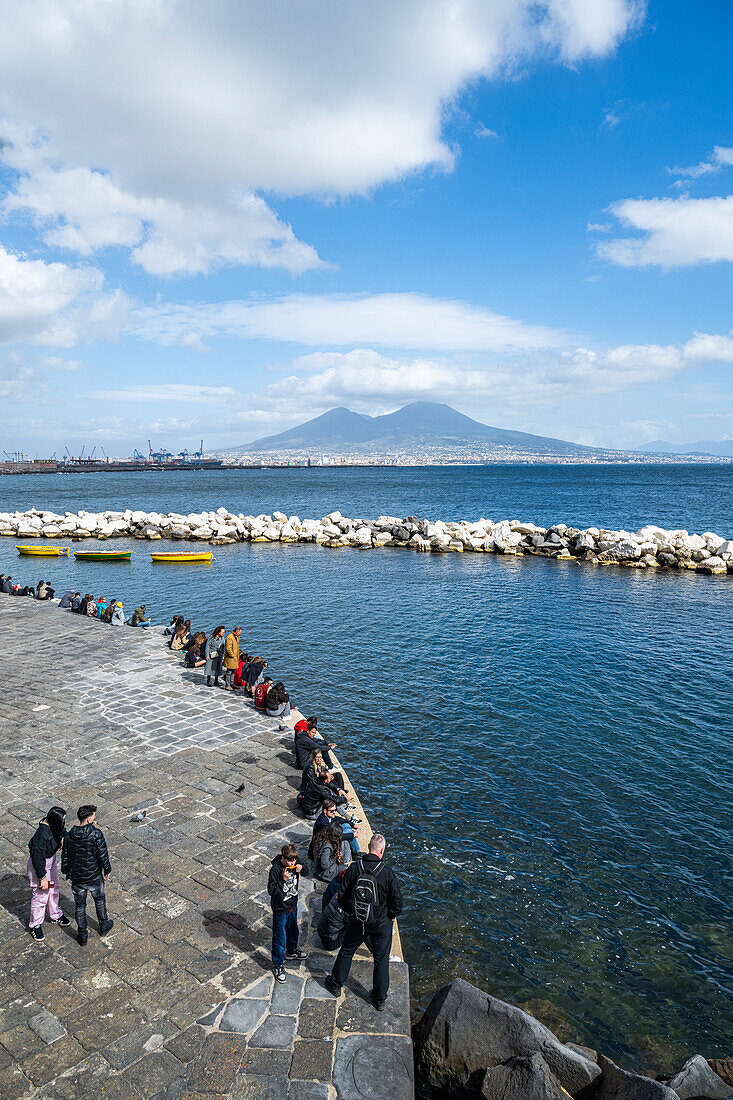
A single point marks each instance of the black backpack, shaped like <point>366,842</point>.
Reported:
<point>365,897</point>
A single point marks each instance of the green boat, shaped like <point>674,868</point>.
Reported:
<point>103,555</point>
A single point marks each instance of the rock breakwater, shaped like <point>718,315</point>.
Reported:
<point>650,547</point>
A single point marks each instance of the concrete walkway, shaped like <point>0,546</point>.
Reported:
<point>179,1000</point>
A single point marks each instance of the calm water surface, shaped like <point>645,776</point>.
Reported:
<point>546,746</point>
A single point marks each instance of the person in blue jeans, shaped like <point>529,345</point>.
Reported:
<point>329,815</point>
<point>282,886</point>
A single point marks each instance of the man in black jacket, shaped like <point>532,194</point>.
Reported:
<point>85,860</point>
<point>377,930</point>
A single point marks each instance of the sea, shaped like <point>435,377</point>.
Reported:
<point>545,745</point>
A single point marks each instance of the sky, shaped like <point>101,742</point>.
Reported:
<point>218,221</point>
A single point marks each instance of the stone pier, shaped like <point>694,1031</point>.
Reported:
<point>179,1000</point>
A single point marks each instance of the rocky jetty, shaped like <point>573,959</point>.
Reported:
<point>648,548</point>
<point>471,1046</point>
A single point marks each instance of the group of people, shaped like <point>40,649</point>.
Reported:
<point>41,591</point>
<point>84,861</point>
<point>362,896</point>
<point>107,608</point>
<point>227,665</point>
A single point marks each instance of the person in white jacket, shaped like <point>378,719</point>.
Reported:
<point>118,618</point>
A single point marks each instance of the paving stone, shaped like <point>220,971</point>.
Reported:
<point>366,1070</point>
<point>52,1060</point>
<point>186,1045</point>
<point>307,1090</point>
<point>312,1060</point>
<point>21,1041</point>
<point>218,1064</point>
<point>260,1088</point>
<point>276,1031</point>
<point>243,1016</point>
<point>316,1019</point>
<point>13,1083</point>
<point>46,1026</point>
<point>87,1079</point>
<point>152,1036</point>
<point>153,1073</point>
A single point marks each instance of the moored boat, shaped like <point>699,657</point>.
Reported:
<point>103,555</point>
<point>178,556</point>
<point>43,551</point>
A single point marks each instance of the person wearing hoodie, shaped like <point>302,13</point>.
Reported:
<point>85,860</point>
<point>140,617</point>
<point>43,873</point>
<point>76,601</point>
<point>118,616</point>
<point>370,894</point>
<point>65,600</point>
<point>282,886</point>
<point>307,739</point>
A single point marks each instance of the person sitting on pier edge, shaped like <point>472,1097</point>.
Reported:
<point>85,860</point>
<point>110,609</point>
<point>118,617</point>
<point>254,674</point>
<point>332,855</point>
<point>140,617</point>
<point>261,692</point>
<point>214,652</point>
<point>82,608</point>
<point>282,886</point>
<point>329,815</point>
<point>181,636</point>
<point>307,740</point>
<point>371,896</point>
<point>8,586</point>
<point>44,591</point>
<point>277,702</point>
<point>231,657</point>
<point>75,601</point>
<point>195,655</point>
<point>172,627</point>
<point>318,785</point>
<point>43,872</point>
<point>91,608</point>
<point>66,599</point>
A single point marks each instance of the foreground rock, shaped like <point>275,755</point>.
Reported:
<point>528,1078</point>
<point>465,1032</point>
<point>621,1084</point>
<point>696,1079</point>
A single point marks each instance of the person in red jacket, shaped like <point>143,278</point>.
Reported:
<point>261,692</point>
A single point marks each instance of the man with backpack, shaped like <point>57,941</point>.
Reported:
<point>261,693</point>
<point>371,895</point>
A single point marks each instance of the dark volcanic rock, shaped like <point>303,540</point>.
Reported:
<point>696,1079</point>
<point>528,1078</point>
<point>465,1031</point>
<point>620,1084</point>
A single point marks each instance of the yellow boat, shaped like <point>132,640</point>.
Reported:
<point>43,551</point>
<point>177,556</point>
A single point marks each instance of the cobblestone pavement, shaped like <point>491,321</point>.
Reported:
<point>178,1000</point>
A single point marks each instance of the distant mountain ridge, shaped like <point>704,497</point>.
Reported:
<point>721,448</point>
<point>420,424</point>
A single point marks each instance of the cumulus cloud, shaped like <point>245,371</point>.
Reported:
<point>43,302</point>
<point>83,211</point>
<point>721,157</point>
<point>391,320</point>
<point>189,101</point>
<point>677,232</point>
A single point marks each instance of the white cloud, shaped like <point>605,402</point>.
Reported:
<point>721,157</point>
<point>483,131</point>
<point>84,211</point>
<point>193,102</point>
<point>55,362</point>
<point>390,320</point>
<point>678,232</point>
<point>171,391</point>
<point>41,302</point>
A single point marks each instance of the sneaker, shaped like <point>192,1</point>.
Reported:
<point>37,934</point>
<point>297,955</point>
<point>105,928</point>
<point>354,820</point>
<point>280,975</point>
<point>333,989</point>
<point>379,1005</point>
<point>81,938</point>
<point>63,920</point>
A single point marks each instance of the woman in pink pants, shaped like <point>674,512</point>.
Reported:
<point>43,873</point>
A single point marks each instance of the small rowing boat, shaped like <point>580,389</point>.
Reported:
<point>177,556</point>
<point>103,555</point>
<point>43,551</point>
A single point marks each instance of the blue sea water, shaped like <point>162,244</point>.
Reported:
<point>546,746</point>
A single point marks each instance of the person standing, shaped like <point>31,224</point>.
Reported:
<point>231,657</point>
<point>214,654</point>
<point>43,873</point>
<point>282,886</point>
<point>85,860</point>
<point>371,895</point>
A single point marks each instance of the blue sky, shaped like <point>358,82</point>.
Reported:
<point>220,224</point>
